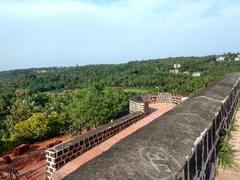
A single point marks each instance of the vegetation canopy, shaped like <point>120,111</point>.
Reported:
<point>44,102</point>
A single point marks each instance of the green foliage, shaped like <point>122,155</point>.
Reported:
<point>37,103</point>
<point>140,90</point>
<point>5,101</point>
<point>140,74</point>
<point>226,152</point>
<point>38,126</point>
<point>95,106</point>
<point>5,145</point>
<point>19,111</point>
<point>31,129</point>
<point>34,116</point>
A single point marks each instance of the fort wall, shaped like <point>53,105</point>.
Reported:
<point>66,151</point>
<point>141,102</point>
<point>181,144</point>
<point>62,153</point>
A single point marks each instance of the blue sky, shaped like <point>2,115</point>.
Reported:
<point>41,33</point>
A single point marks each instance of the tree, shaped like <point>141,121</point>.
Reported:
<point>31,129</point>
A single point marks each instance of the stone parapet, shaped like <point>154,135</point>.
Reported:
<point>141,102</point>
<point>64,152</point>
<point>181,144</point>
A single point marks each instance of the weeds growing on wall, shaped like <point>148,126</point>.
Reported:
<point>226,152</point>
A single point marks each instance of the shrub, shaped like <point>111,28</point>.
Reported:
<point>31,129</point>
<point>226,154</point>
<point>38,126</point>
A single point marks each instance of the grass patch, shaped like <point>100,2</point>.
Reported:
<point>226,152</point>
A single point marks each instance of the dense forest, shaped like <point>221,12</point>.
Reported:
<point>44,102</point>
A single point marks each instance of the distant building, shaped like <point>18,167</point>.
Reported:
<point>221,58</point>
<point>42,71</point>
<point>196,74</point>
<point>237,59</point>
<point>174,71</point>
<point>176,66</point>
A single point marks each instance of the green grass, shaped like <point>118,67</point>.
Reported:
<point>226,152</point>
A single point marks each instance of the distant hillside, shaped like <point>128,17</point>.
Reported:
<point>40,103</point>
<point>147,73</point>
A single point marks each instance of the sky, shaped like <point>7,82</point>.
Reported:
<point>43,33</point>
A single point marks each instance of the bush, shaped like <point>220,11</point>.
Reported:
<point>56,123</point>
<point>38,126</point>
<point>5,146</point>
<point>31,129</point>
<point>226,154</point>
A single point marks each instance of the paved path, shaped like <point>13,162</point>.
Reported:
<point>232,174</point>
<point>157,110</point>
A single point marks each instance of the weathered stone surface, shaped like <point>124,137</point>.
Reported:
<point>154,151</point>
<point>220,89</point>
<point>202,106</point>
<point>170,146</point>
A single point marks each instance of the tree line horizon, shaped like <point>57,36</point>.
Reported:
<point>45,102</point>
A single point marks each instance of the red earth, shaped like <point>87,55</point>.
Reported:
<point>32,164</point>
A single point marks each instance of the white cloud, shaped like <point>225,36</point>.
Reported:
<point>177,11</point>
<point>164,15</point>
<point>125,7</point>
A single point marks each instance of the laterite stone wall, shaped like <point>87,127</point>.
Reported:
<point>63,153</point>
<point>66,151</point>
<point>141,102</point>
<point>181,144</point>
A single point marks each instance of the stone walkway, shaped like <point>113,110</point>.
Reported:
<point>156,110</point>
<point>232,174</point>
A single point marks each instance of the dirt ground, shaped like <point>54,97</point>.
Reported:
<point>232,174</point>
<point>31,164</point>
